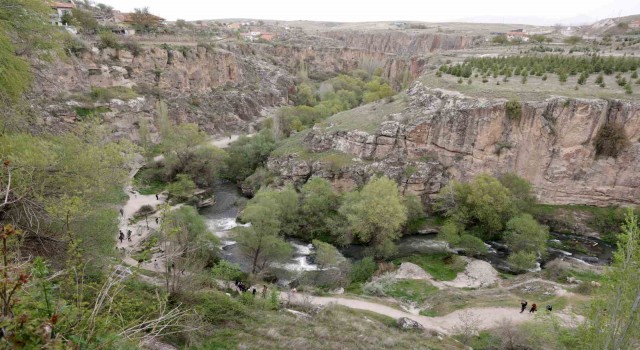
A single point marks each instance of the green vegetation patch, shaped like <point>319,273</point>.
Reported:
<point>115,92</point>
<point>411,290</point>
<point>88,112</point>
<point>443,267</point>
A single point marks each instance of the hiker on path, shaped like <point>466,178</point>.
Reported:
<point>121,236</point>
<point>264,291</point>
<point>129,235</point>
<point>121,212</point>
<point>534,308</point>
<point>157,197</point>
<point>254,292</point>
<point>549,308</point>
<point>156,220</point>
<point>524,306</point>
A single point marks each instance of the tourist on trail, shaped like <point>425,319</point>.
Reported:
<point>121,212</point>
<point>524,306</point>
<point>157,197</point>
<point>534,308</point>
<point>264,291</point>
<point>156,219</point>
<point>129,235</point>
<point>254,292</point>
<point>155,264</point>
<point>549,308</point>
<point>121,236</point>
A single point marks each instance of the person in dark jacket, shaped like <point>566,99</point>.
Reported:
<point>549,308</point>
<point>523,305</point>
<point>534,308</point>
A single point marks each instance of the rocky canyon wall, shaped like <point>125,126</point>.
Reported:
<point>444,135</point>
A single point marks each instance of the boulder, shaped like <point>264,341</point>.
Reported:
<point>407,323</point>
<point>411,271</point>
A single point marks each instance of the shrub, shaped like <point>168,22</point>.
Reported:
<point>133,47</point>
<point>226,271</point>
<point>472,244</point>
<point>610,140</point>
<point>363,270</point>
<point>108,40</point>
<point>522,260</point>
<point>513,109</point>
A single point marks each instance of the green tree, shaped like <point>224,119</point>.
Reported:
<point>183,188</point>
<point>450,232</point>
<point>521,191</point>
<point>262,248</point>
<point>375,215</point>
<point>472,244</point>
<point>248,153</point>
<point>615,312</point>
<point>483,204</point>
<point>326,255</point>
<point>188,246</point>
<point>318,202</point>
<point>306,95</point>
<point>522,260</point>
<point>143,21</point>
<point>363,270</point>
<point>524,233</point>
<point>84,20</point>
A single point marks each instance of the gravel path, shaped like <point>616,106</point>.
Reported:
<point>486,317</point>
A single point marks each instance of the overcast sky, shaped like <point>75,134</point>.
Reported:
<point>390,10</point>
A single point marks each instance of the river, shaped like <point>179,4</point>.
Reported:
<point>221,219</point>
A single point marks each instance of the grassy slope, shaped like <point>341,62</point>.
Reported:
<point>334,327</point>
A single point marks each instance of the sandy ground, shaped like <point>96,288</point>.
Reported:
<point>477,274</point>
<point>486,317</point>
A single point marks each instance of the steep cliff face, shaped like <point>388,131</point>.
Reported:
<point>219,89</point>
<point>397,69</point>
<point>444,135</point>
<point>226,89</point>
<point>402,42</point>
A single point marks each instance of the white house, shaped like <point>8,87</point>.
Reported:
<point>60,9</point>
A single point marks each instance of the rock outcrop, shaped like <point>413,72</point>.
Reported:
<point>224,89</point>
<point>444,135</point>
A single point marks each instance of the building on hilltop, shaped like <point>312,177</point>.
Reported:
<point>60,9</point>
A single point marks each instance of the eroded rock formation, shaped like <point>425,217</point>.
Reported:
<point>444,135</point>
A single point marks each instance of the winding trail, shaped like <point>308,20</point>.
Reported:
<point>486,317</point>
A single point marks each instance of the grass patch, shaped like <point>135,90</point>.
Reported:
<point>86,112</point>
<point>443,267</point>
<point>411,290</point>
<point>115,92</point>
<point>148,181</point>
<point>429,313</point>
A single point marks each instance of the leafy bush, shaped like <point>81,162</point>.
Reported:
<point>610,140</point>
<point>226,271</point>
<point>513,109</point>
<point>218,308</point>
<point>107,39</point>
<point>472,244</point>
<point>363,270</point>
<point>522,260</point>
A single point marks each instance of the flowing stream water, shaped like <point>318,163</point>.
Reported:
<point>221,219</point>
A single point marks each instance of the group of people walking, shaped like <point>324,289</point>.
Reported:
<point>534,307</point>
<point>244,289</point>
<point>121,235</point>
